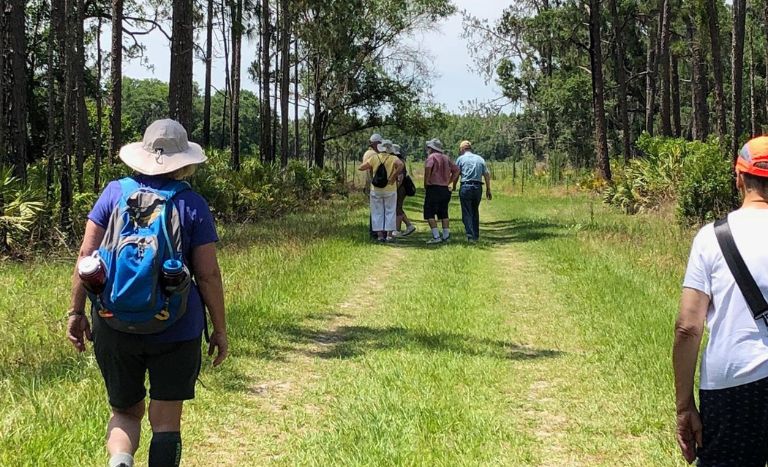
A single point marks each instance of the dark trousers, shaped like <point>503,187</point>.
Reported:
<point>735,422</point>
<point>470,196</point>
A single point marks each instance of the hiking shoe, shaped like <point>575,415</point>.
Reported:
<point>411,229</point>
<point>447,239</point>
<point>381,240</point>
<point>397,233</point>
<point>390,239</point>
<point>434,241</point>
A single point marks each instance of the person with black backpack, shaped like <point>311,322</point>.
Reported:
<point>405,187</point>
<point>384,169</point>
<point>148,265</point>
<point>724,290</point>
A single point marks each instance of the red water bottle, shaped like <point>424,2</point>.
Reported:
<point>93,273</point>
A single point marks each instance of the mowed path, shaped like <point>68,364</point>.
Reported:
<point>413,355</point>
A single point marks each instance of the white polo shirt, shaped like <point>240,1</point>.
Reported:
<point>737,351</point>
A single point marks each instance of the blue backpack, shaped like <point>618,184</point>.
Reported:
<point>144,232</point>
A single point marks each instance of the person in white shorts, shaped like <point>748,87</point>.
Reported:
<point>730,426</point>
<point>384,199</point>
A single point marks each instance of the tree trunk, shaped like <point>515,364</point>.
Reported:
<point>99,113</point>
<point>52,139</point>
<point>17,46</point>
<point>717,64</point>
<point>276,83</point>
<point>66,8</point>
<point>265,140</point>
<point>285,80</point>
<point>699,85</point>
<point>237,39</point>
<point>664,58</point>
<point>3,85</point>
<point>598,98</point>
<point>310,142</point>
<point>226,75</point>
<point>675,84</point>
<point>621,80</point>
<point>208,63</point>
<point>318,139</point>
<point>296,136</point>
<point>116,78</point>
<point>4,95</point>
<point>82,140</point>
<point>752,98</point>
<point>765,59</point>
<point>180,87</point>
<point>737,72</point>
<point>273,116</point>
<point>651,70</point>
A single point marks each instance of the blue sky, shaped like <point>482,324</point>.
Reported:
<point>454,80</point>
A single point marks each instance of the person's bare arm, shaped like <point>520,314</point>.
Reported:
<point>456,180</point>
<point>398,169</point>
<point>78,327</point>
<point>455,172</point>
<point>689,329</point>
<point>364,166</point>
<point>487,177</point>
<point>427,175</point>
<point>207,273</point>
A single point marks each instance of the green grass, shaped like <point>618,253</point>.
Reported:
<point>547,343</point>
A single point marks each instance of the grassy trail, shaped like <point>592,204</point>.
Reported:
<point>545,344</point>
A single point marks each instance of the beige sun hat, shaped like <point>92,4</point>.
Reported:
<point>397,149</point>
<point>375,138</point>
<point>385,147</point>
<point>164,149</point>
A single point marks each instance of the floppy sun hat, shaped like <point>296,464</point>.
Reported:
<point>397,149</point>
<point>164,149</point>
<point>435,144</point>
<point>385,146</point>
<point>753,153</point>
<point>375,138</point>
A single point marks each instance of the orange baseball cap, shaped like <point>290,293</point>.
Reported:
<point>756,150</point>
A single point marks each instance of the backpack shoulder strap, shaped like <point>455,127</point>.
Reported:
<point>745,281</point>
<point>127,186</point>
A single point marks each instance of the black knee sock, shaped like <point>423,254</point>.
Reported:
<point>165,449</point>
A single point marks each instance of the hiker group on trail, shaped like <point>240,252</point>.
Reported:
<point>387,180</point>
<point>723,290</point>
<point>148,264</point>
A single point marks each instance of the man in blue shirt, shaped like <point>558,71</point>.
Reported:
<point>473,171</point>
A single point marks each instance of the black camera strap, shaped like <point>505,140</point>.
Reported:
<point>745,281</point>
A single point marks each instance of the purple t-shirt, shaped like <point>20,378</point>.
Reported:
<point>197,228</point>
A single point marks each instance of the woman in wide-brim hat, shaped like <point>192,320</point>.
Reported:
<point>171,357</point>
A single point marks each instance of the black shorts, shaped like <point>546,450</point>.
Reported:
<point>735,425</point>
<point>436,202</point>
<point>124,359</point>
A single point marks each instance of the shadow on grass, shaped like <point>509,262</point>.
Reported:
<point>352,341</point>
<point>519,230</point>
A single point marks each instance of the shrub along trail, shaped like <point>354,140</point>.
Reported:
<point>545,344</point>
